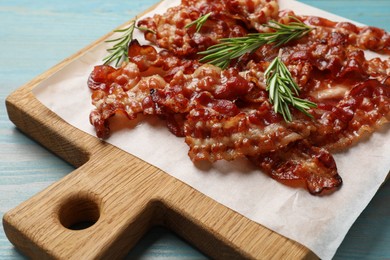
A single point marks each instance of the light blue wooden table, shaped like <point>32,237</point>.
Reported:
<point>35,35</point>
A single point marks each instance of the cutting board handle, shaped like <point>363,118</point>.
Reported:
<point>101,210</point>
<point>91,213</point>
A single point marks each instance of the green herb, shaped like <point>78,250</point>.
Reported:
<point>282,88</point>
<point>231,48</point>
<point>119,52</point>
<point>199,22</point>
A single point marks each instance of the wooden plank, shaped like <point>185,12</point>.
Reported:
<point>122,197</point>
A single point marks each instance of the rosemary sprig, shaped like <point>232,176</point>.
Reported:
<point>231,48</point>
<point>282,90</point>
<point>119,52</point>
<point>199,22</point>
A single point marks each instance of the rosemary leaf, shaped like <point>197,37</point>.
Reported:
<point>198,22</point>
<point>232,48</point>
<point>119,52</point>
<point>282,89</point>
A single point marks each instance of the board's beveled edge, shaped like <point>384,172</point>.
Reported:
<point>30,124</point>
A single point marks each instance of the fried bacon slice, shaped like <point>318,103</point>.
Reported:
<point>365,108</point>
<point>212,135</point>
<point>179,96</point>
<point>299,164</point>
<point>124,95</point>
<point>226,114</point>
<point>185,92</point>
<point>255,13</point>
<point>163,63</point>
<point>127,89</point>
<point>365,37</point>
<point>171,34</point>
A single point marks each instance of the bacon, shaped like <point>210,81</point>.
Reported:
<point>215,127</point>
<point>226,114</point>
<point>207,86</point>
<point>328,54</point>
<point>171,33</point>
<point>169,30</point>
<point>126,90</point>
<point>102,77</point>
<point>180,95</point>
<point>301,164</point>
<point>365,108</point>
<point>366,37</point>
<point>125,97</point>
<point>255,13</point>
<point>163,63</point>
<point>212,135</point>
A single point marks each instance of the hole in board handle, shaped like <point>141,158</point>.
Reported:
<point>79,213</point>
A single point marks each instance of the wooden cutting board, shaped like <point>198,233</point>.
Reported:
<point>101,210</point>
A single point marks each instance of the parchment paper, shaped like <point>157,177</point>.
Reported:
<point>319,223</point>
